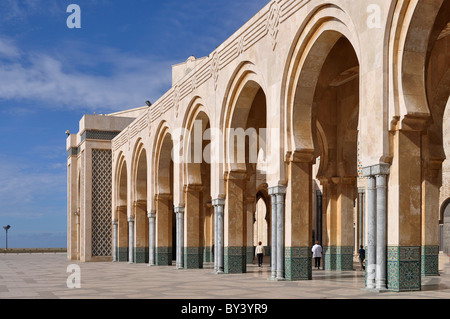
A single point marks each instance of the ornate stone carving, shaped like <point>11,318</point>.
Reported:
<point>273,23</point>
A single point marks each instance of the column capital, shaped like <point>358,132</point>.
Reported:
<point>361,190</point>
<point>151,214</point>
<point>115,222</point>
<point>277,190</point>
<point>218,202</point>
<point>379,169</point>
<point>131,219</point>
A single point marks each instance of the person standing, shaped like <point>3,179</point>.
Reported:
<point>317,254</point>
<point>259,252</point>
<point>362,257</point>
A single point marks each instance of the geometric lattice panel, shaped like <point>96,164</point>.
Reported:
<point>101,203</point>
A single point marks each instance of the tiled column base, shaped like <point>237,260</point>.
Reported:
<point>235,260</point>
<point>141,255</point>
<point>208,255</point>
<point>338,258</point>
<point>193,257</point>
<point>403,269</point>
<point>122,253</point>
<point>298,263</point>
<point>164,256</point>
<point>250,254</point>
<point>430,261</point>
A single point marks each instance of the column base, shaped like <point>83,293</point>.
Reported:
<point>163,256</point>
<point>338,258</point>
<point>193,257</point>
<point>235,260</point>
<point>403,268</point>
<point>298,263</point>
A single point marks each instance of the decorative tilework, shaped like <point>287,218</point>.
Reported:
<point>403,268</point>
<point>141,255</point>
<point>250,254</point>
<point>98,135</point>
<point>338,257</point>
<point>163,256</point>
<point>298,263</point>
<point>101,203</point>
<point>208,254</point>
<point>235,260</point>
<point>74,151</point>
<point>193,257</point>
<point>122,254</point>
<point>430,260</point>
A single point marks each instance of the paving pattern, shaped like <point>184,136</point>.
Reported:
<point>44,276</point>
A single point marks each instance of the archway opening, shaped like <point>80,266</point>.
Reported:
<point>122,217</point>
<point>141,253</point>
<point>165,214</point>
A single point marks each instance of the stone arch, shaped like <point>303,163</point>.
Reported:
<point>162,155</point>
<point>192,171</point>
<point>198,239</point>
<point>121,209</point>
<point>242,89</point>
<point>410,40</point>
<point>163,187</point>
<point>139,171</point>
<point>141,226</point>
<point>316,38</point>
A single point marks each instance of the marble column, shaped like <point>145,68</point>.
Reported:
<point>115,224</point>
<point>280,193</point>
<point>219,205</point>
<point>273,221</point>
<point>381,232</point>
<point>131,240</point>
<point>371,231</point>
<point>179,213</point>
<point>151,238</point>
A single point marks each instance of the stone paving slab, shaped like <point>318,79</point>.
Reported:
<point>44,276</point>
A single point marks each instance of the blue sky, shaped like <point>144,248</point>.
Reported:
<point>51,75</point>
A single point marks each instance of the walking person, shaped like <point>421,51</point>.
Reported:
<point>317,254</point>
<point>259,252</point>
<point>362,257</point>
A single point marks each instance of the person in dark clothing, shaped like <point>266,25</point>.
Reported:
<point>362,257</point>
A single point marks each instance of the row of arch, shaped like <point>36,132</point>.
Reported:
<point>326,110</point>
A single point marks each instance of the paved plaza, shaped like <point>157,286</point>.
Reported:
<point>44,276</point>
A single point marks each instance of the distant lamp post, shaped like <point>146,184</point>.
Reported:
<point>6,229</point>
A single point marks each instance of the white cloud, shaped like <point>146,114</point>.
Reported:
<point>124,81</point>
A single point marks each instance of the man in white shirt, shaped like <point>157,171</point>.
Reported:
<point>317,254</point>
<point>259,252</point>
